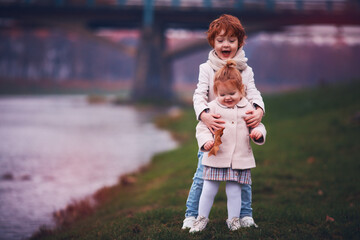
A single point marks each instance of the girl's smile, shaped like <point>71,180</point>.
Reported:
<point>228,95</point>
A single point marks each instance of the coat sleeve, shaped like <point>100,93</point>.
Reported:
<point>203,135</point>
<point>201,94</point>
<point>262,129</point>
<point>252,94</point>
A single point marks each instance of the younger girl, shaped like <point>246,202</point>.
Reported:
<point>234,159</point>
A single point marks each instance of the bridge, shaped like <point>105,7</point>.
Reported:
<point>153,76</point>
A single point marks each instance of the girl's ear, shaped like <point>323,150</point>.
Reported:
<point>243,90</point>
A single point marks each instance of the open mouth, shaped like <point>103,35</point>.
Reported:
<point>226,53</point>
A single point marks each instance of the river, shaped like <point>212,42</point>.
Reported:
<point>56,149</point>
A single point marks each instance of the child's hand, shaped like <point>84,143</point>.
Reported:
<point>208,145</point>
<point>212,121</point>
<point>255,117</point>
<point>255,134</point>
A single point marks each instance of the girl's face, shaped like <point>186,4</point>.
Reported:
<point>225,46</point>
<point>228,95</point>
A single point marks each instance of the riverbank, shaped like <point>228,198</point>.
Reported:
<point>305,185</point>
<point>56,148</point>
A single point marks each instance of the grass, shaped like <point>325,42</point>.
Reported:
<point>305,185</point>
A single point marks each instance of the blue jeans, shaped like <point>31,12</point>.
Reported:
<point>192,203</point>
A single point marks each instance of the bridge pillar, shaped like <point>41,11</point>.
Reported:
<point>153,72</point>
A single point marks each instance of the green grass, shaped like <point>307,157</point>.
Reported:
<point>306,184</point>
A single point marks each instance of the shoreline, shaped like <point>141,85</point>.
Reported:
<point>53,162</point>
<point>79,209</point>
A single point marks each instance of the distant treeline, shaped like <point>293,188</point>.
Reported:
<point>287,65</point>
<point>56,55</point>
<point>303,65</point>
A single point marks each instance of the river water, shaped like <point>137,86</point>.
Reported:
<point>56,149</point>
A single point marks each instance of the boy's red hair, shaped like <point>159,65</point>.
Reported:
<point>230,24</point>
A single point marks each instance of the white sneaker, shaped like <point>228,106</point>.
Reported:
<point>188,222</point>
<point>233,224</point>
<point>248,222</point>
<point>199,224</point>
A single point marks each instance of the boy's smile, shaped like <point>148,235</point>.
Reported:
<point>225,46</point>
<point>225,54</point>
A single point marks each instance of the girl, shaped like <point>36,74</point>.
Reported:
<point>226,36</point>
<point>234,158</point>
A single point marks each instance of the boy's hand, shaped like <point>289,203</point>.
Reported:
<point>255,134</point>
<point>212,121</point>
<point>208,145</point>
<point>254,118</point>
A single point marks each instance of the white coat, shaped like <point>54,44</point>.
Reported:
<point>235,150</point>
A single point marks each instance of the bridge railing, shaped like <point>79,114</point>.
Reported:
<point>299,5</point>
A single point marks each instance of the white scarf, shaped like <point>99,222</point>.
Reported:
<point>216,63</point>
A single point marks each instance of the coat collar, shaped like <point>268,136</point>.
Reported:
<point>240,104</point>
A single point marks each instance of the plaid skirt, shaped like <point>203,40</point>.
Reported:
<point>227,174</point>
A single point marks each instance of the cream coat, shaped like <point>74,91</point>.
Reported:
<point>204,92</point>
<point>235,150</point>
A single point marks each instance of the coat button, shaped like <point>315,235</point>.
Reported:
<point>232,122</point>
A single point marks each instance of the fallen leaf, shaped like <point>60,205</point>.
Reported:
<point>320,192</point>
<point>329,219</point>
<point>217,142</point>
<point>127,180</point>
<point>311,160</point>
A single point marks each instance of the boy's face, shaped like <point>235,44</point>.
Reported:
<point>225,46</point>
<point>228,95</point>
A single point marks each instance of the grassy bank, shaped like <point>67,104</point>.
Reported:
<point>305,186</point>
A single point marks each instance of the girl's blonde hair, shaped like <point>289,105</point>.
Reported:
<point>229,75</point>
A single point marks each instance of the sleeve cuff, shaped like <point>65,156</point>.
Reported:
<point>205,110</point>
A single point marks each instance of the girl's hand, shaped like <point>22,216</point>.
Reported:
<point>212,121</point>
<point>208,145</point>
<point>255,134</point>
<point>254,118</point>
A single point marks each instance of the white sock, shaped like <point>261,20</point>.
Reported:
<point>233,193</point>
<point>207,197</point>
